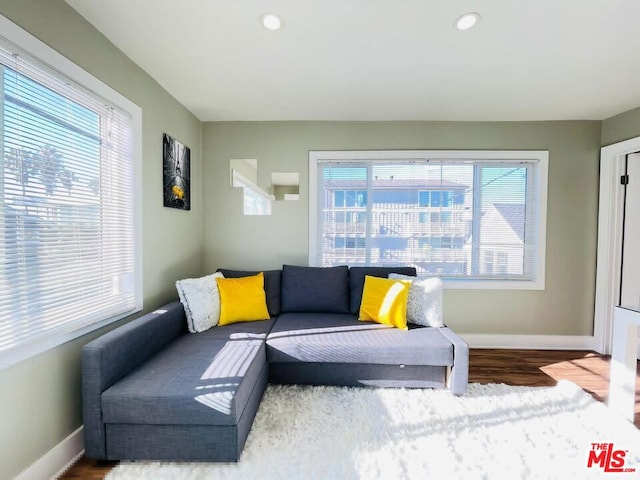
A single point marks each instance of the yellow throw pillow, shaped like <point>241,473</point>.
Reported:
<point>385,301</point>
<point>242,299</point>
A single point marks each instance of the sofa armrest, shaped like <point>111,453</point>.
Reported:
<point>460,371</point>
<point>110,357</point>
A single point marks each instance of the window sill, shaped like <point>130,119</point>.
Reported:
<point>470,284</point>
<point>54,339</point>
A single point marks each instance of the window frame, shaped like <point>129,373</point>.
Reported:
<point>538,185</point>
<point>58,65</point>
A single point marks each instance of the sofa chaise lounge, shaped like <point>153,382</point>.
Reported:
<point>154,391</point>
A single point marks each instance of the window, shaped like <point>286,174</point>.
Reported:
<point>488,261</point>
<point>68,202</point>
<point>349,242</point>
<point>423,198</point>
<point>475,218</point>
<point>356,217</point>
<point>437,198</point>
<point>352,242</point>
<point>349,198</point>
<point>502,259</point>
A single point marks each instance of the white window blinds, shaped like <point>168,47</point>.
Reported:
<point>66,205</point>
<point>465,219</point>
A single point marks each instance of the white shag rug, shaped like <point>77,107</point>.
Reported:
<point>495,431</point>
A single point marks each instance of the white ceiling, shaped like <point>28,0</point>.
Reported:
<point>383,59</point>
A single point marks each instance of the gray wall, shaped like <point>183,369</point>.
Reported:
<point>40,404</point>
<point>41,401</point>
<point>621,127</point>
<point>564,307</point>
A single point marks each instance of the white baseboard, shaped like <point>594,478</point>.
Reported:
<point>529,342</point>
<point>57,460</point>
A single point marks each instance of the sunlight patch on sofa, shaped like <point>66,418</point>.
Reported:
<point>233,360</point>
<point>219,401</point>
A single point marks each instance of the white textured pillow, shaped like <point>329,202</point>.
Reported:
<point>201,300</point>
<point>424,306</point>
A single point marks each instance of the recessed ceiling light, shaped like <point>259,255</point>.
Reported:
<point>466,21</point>
<point>271,21</point>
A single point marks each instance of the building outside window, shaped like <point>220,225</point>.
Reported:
<point>479,218</point>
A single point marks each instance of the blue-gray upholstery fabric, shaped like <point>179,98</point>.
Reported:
<point>459,376</point>
<point>194,381</point>
<point>153,391</point>
<point>110,357</point>
<point>358,375</point>
<point>257,330</point>
<point>356,281</point>
<point>334,338</point>
<point>315,289</point>
<point>202,443</point>
<point>272,286</point>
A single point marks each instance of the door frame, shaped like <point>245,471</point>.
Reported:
<point>610,235</point>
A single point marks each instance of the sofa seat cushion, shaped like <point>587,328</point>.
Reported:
<point>342,338</point>
<point>257,330</point>
<point>199,379</point>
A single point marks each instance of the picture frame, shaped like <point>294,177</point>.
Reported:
<point>176,161</point>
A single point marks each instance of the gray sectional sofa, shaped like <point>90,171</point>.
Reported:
<point>153,391</point>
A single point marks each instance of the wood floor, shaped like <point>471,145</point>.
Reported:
<point>514,367</point>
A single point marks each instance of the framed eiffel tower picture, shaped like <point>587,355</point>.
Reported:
<point>176,158</point>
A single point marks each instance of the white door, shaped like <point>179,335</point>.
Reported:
<point>630,281</point>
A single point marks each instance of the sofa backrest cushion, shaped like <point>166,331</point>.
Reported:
<point>356,281</point>
<point>272,286</point>
<point>315,289</point>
